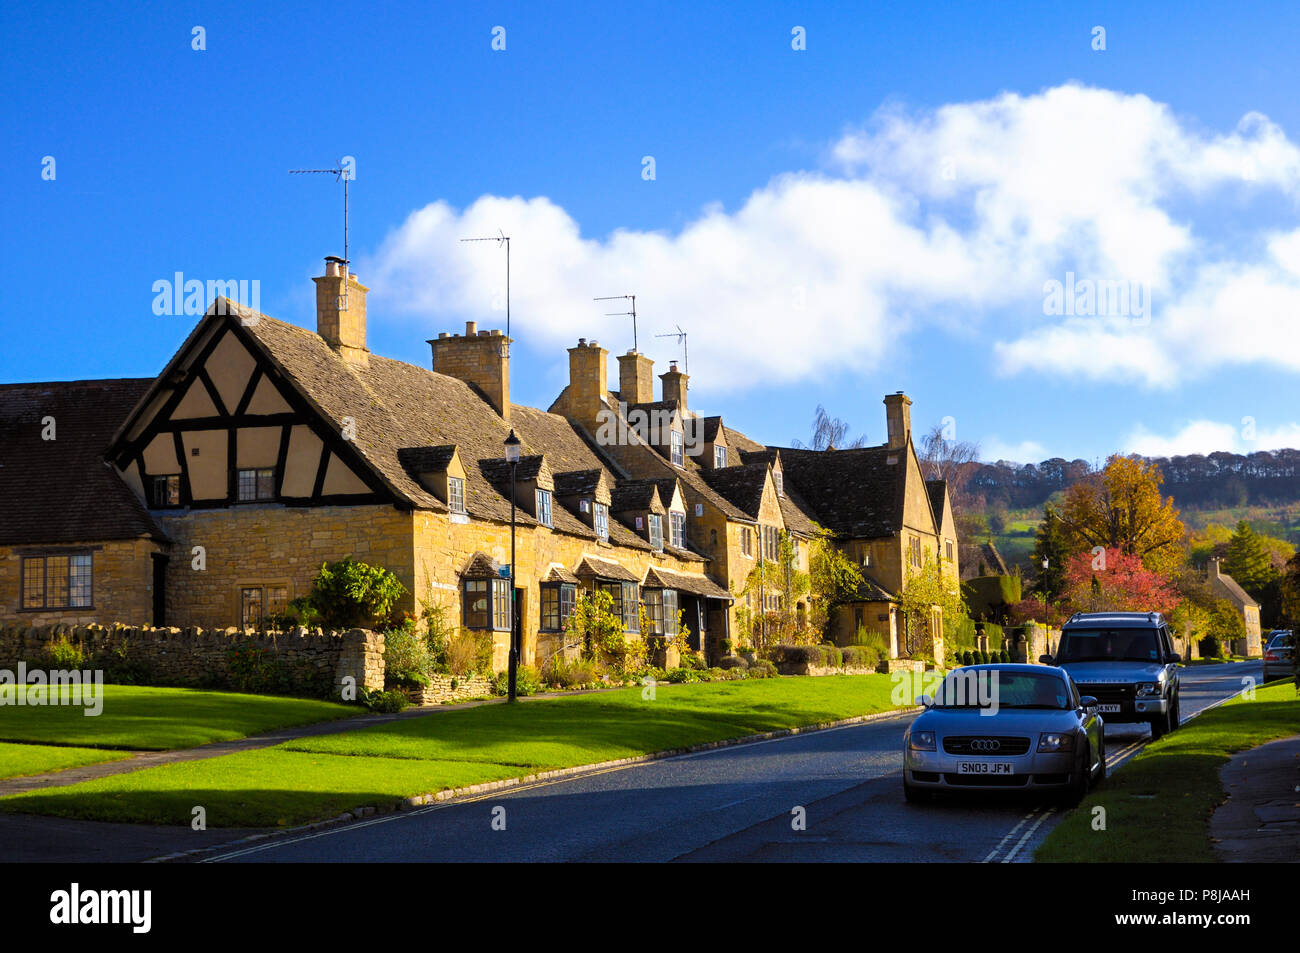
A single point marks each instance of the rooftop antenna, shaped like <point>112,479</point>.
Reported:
<point>501,238</point>
<point>681,339</point>
<point>346,176</point>
<point>623,314</point>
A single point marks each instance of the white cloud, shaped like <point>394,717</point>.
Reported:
<point>1209,436</point>
<point>955,218</point>
<point>1026,451</point>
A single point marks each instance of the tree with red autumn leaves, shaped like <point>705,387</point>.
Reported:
<point>1117,581</point>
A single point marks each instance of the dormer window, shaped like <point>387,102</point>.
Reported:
<point>584,506</point>
<point>601,521</point>
<point>656,531</point>
<point>719,456</point>
<point>677,527</point>
<point>544,507</point>
<point>456,494</point>
<point>676,448</point>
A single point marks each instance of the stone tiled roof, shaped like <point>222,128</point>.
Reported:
<point>560,574</point>
<point>63,490</point>
<point>481,565</point>
<point>742,485</point>
<point>640,495</point>
<point>854,492</point>
<point>426,459</point>
<point>1234,589</point>
<point>576,482</point>
<point>397,406</point>
<point>936,489</point>
<point>872,591</point>
<point>657,577</point>
<point>604,569</point>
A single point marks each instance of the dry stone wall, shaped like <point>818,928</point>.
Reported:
<point>294,661</point>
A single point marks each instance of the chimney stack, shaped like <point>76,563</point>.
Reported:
<point>635,378</point>
<point>898,417</point>
<point>674,386</point>
<point>480,359</point>
<point>341,312</point>
<point>588,383</point>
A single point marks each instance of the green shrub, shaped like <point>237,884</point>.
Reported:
<point>384,702</point>
<point>967,658</point>
<point>732,661</point>
<point>62,654</point>
<point>407,662</point>
<point>565,674</point>
<point>761,668</point>
<point>470,651</point>
<point>860,656</point>
<point>683,676</point>
<point>832,656</point>
<point>121,669</point>
<point>349,593</point>
<point>694,662</point>
<point>528,681</point>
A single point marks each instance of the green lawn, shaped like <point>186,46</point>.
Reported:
<point>320,777</point>
<point>17,760</point>
<point>158,719</point>
<point>1158,806</point>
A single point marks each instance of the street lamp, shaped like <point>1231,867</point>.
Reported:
<point>512,457</point>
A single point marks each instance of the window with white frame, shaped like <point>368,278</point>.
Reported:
<point>656,531</point>
<point>677,529</point>
<point>601,520</point>
<point>544,507</point>
<point>456,494</point>
<point>676,445</point>
<point>719,456</point>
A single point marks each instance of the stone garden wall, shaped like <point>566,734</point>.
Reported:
<point>449,688</point>
<point>227,658</point>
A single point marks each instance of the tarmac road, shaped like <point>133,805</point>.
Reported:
<point>732,804</point>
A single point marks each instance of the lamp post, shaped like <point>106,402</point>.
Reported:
<point>512,457</point>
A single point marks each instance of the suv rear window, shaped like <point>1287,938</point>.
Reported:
<point>1109,645</point>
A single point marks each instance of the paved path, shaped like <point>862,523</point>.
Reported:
<point>1260,821</point>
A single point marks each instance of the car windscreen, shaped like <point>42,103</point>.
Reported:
<point>997,689</point>
<point>1108,645</point>
<point>1283,641</point>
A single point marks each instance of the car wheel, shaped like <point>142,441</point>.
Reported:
<point>1158,726</point>
<point>1082,780</point>
<point>914,796</point>
<point>1175,714</point>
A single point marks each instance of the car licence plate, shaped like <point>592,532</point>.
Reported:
<point>984,767</point>
<point>1105,709</point>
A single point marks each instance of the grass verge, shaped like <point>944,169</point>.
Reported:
<point>159,719</point>
<point>1158,806</point>
<point>19,760</point>
<point>318,778</point>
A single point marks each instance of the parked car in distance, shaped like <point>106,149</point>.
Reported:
<point>1279,655</point>
<point>1005,727</point>
<point>1126,661</point>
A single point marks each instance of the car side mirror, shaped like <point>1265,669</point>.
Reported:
<point>925,701</point>
<point>1045,659</point>
<point>1175,657</point>
<point>1087,701</point>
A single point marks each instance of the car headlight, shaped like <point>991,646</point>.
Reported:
<point>922,741</point>
<point>1149,688</point>
<point>1050,741</point>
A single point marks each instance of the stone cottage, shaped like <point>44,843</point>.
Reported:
<point>211,494</point>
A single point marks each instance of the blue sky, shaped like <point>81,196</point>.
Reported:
<point>877,212</point>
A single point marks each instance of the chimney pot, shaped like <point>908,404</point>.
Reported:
<point>471,328</point>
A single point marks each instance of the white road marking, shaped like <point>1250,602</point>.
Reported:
<point>1010,834</point>
<point>1028,834</point>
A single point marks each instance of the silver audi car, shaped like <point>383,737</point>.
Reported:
<point>1005,728</point>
